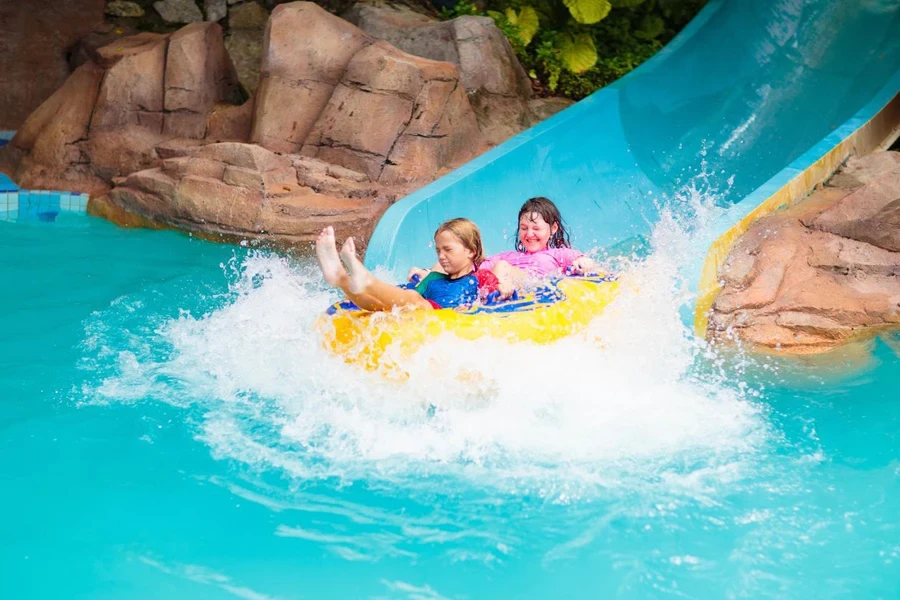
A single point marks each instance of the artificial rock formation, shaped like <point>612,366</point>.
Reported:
<point>821,273</point>
<point>243,190</point>
<point>110,115</point>
<point>496,84</point>
<point>330,91</point>
<point>340,126</point>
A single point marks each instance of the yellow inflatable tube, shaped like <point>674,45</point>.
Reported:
<point>382,341</point>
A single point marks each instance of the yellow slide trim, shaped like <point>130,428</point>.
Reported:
<point>867,138</point>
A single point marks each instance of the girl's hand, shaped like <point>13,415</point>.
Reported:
<point>506,289</point>
<point>582,265</point>
<point>422,273</point>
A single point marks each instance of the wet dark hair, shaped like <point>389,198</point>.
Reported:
<point>548,211</point>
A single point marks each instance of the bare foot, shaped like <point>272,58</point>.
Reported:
<point>359,274</point>
<point>327,253</point>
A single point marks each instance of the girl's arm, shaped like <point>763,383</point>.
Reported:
<point>509,278</point>
<point>579,263</point>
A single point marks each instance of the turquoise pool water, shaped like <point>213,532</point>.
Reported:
<point>169,428</point>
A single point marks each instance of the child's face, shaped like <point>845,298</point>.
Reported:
<point>455,259</point>
<point>535,232</point>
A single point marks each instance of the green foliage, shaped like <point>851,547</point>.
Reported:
<point>577,51</point>
<point>574,47</point>
<point>588,12</point>
<point>519,27</point>
<point>462,8</point>
<point>526,20</point>
<point>625,3</point>
<point>651,27</point>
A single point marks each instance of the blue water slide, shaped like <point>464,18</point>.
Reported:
<point>749,94</point>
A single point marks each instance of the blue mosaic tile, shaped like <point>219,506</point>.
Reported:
<point>42,205</point>
<point>7,184</point>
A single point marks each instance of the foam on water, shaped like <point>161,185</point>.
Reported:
<point>633,401</point>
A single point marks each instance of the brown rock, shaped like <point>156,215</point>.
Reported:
<point>306,52</point>
<point>217,204</point>
<point>332,180</point>
<point>72,103</point>
<point>821,273</point>
<point>368,117</point>
<point>277,181</point>
<point>198,75</point>
<point>178,147</point>
<point>132,89</point>
<point>860,170</point>
<point>70,122</point>
<point>34,42</point>
<point>298,218</point>
<point>317,169</point>
<point>142,203</point>
<point>412,158</point>
<point>496,84</point>
<point>122,151</point>
<point>51,142</point>
<point>248,156</point>
<point>371,164</point>
<point>386,21</point>
<point>254,195</point>
<point>285,112</point>
<point>86,49</point>
<point>487,63</point>
<point>181,166</point>
<point>396,114</point>
<point>870,214</point>
<point>152,180</point>
<point>373,122</point>
<point>459,129</point>
<point>229,123</point>
<point>429,106</point>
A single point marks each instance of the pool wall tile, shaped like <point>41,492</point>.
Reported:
<point>44,205</point>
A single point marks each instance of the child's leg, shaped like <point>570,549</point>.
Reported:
<point>333,270</point>
<point>363,282</point>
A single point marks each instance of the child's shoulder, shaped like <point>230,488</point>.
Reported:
<point>428,280</point>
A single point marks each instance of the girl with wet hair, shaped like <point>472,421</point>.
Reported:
<point>542,249</point>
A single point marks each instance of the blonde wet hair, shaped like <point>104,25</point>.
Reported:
<point>468,234</point>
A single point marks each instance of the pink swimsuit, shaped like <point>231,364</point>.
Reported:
<point>540,264</point>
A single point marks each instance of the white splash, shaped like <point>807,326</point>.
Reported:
<point>621,404</point>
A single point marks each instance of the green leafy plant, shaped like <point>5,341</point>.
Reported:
<point>574,47</point>
<point>462,8</point>
<point>588,11</point>
<point>577,51</point>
